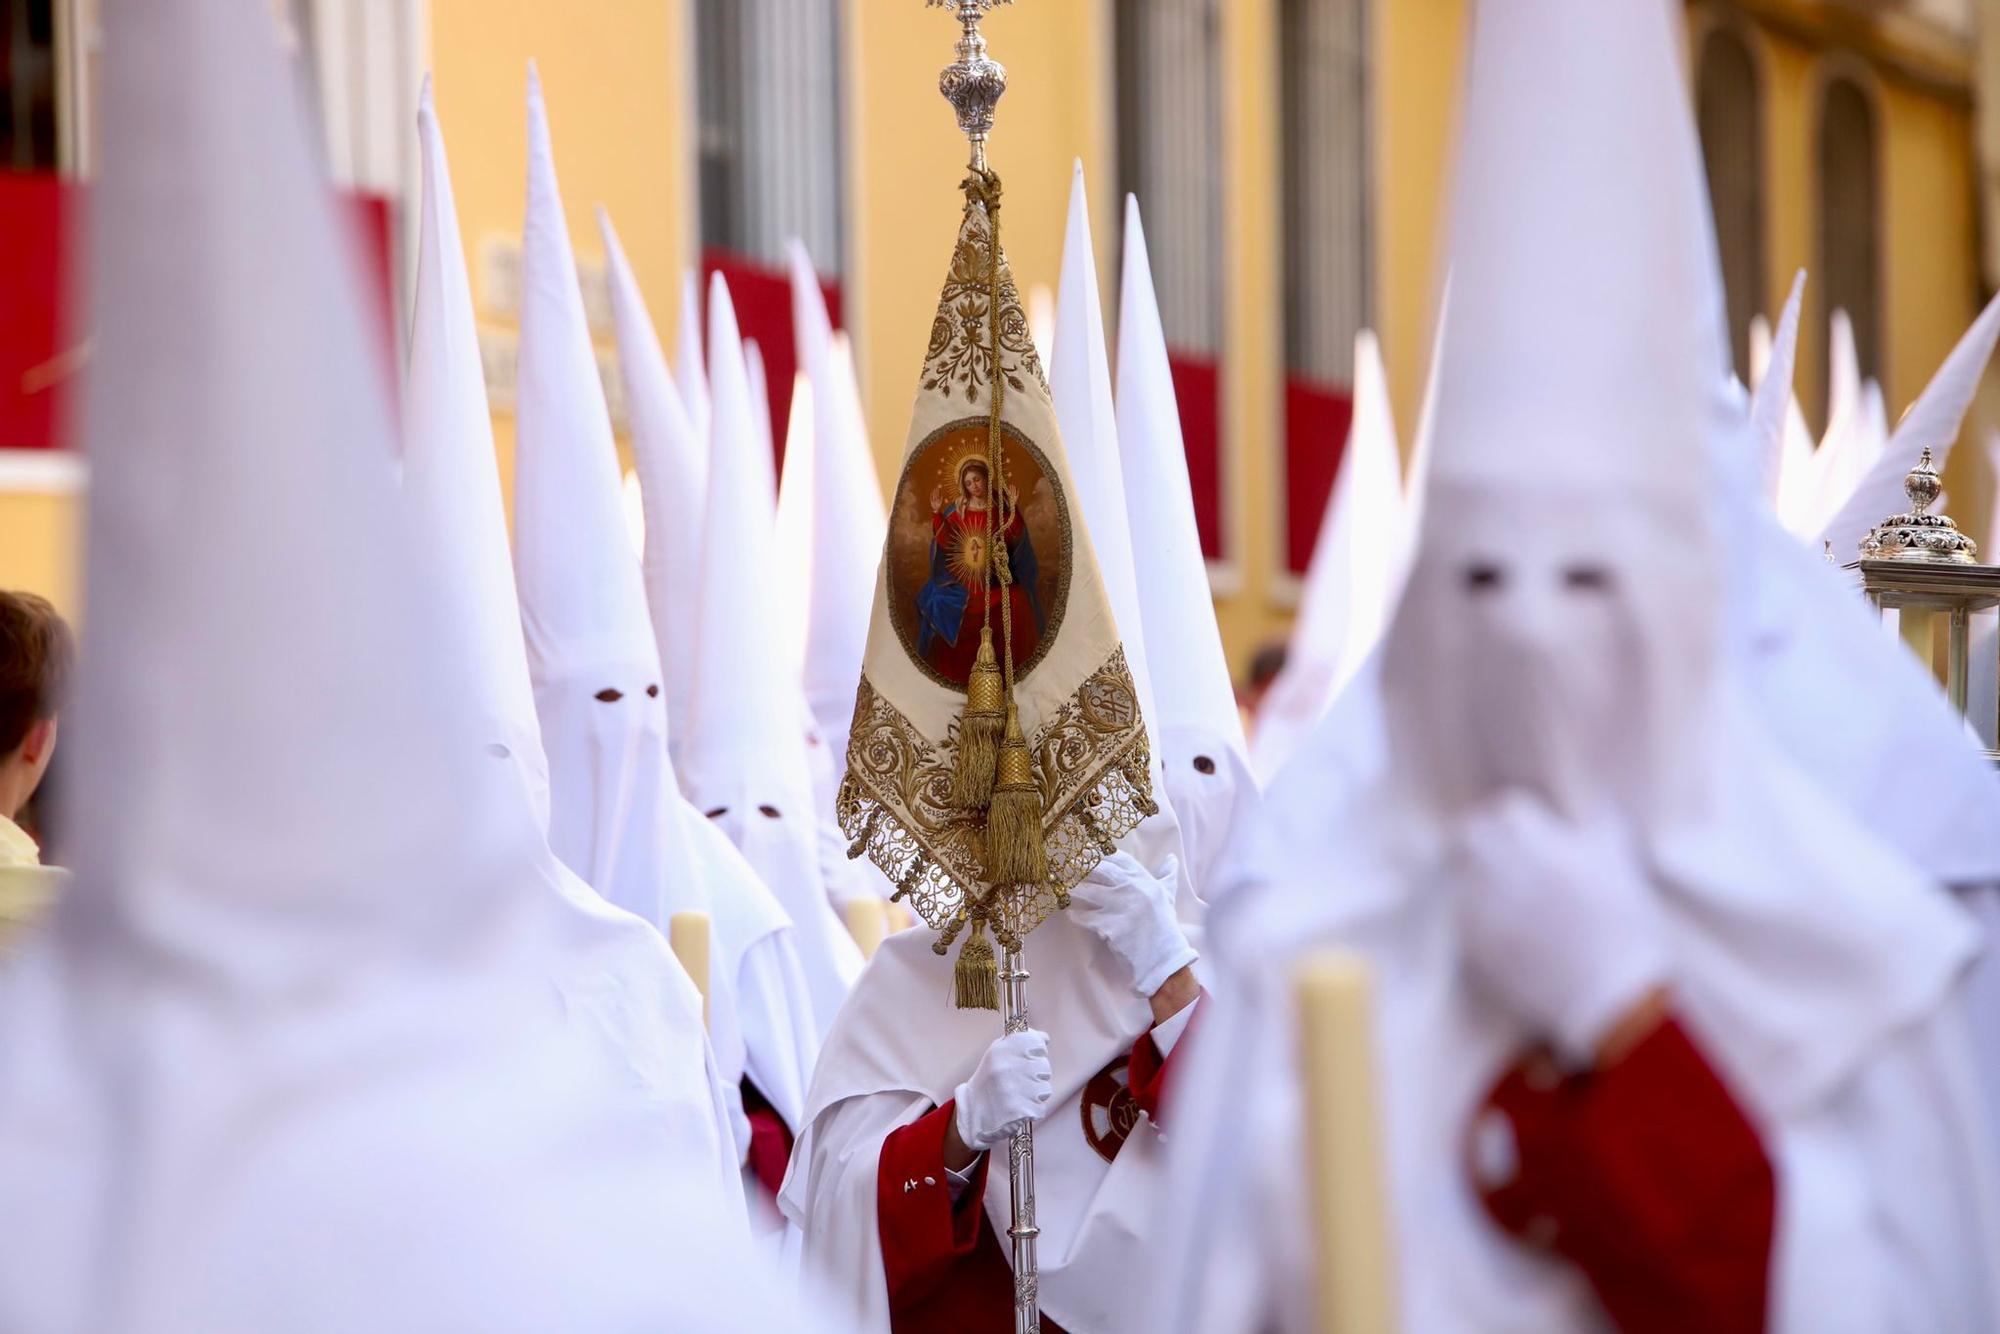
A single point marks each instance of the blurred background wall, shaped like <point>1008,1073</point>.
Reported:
<point>1288,155</point>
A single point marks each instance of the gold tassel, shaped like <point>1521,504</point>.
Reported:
<point>1014,851</point>
<point>975,976</point>
<point>979,729</point>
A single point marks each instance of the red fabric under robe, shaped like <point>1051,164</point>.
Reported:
<point>1649,1179</point>
<point>946,1268</point>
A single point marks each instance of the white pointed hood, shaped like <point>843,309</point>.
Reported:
<point>791,532</point>
<point>671,459</point>
<point>307,930</point>
<point>1080,386</point>
<point>451,480</point>
<point>1774,411</point>
<point>583,601</point>
<point>1841,457</point>
<point>619,818</point>
<point>1932,423</point>
<point>690,366</point>
<point>847,518</point>
<point>746,758</point>
<point>1086,417</point>
<point>759,383</point>
<point>1356,570</point>
<point>1570,492</point>
<point>1202,746</point>
<point>450,472</point>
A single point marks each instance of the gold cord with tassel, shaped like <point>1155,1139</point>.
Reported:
<point>1015,854</point>
<point>975,975</point>
<point>992,769</point>
<point>979,729</point>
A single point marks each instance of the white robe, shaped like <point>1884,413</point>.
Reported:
<point>899,1049</point>
<point>1869,1112</point>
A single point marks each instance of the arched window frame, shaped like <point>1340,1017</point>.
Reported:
<point>1741,221</point>
<point>1835,288</point>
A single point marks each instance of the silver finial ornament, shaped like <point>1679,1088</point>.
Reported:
<point>974,82</point>
<point>1919,535</point>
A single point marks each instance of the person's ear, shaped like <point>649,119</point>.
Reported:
<point>41,739</point>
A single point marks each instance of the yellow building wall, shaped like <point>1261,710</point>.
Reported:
<point>616,77</point>
<point>1419,55</point>
<point>619,81</point>
<point>40,536</point>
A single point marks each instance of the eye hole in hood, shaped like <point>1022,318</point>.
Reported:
<point>610,695</point>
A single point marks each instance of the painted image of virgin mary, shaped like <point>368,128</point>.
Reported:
<point>959,596</point>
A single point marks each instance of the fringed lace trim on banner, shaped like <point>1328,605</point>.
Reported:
<point>895,805</point>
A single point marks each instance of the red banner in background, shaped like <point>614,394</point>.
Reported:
<point>1316,420</point>
<point>763,299</point>
<point>1198,393</point>
<point>42,341</point>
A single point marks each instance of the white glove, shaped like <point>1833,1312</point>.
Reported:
<point>1560,921</point>
<point>1131,910</point>
<point>1010,1085</point>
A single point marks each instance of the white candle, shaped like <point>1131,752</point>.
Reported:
<point>687,932</point>
<point>867,922</point>
<point>1355,1285</point>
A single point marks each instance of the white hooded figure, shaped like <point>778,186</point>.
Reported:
<point>452,481</point>
<point>1784,445</point>
<point>670,457</point>
<point>595,668</point>
<point>746,756</point>
<point>1358,563</point>
<point>898,1181</point>
<point>1932,423</point>
<point>618,818</point>
<point>830,524</point>
<point>844,513</point>
<point>690,366</point>
<point>1814,650</point>
<point>314,1042</point>
<point>1584,842</point>
<point>1842,454</point>
<point>1080,387</point>
<point>1209,780</point>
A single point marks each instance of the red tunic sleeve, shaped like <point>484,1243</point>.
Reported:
<point>944,1266</point>
<point>1149,1071</point>
<point>1647,1176</point>
<point>923,1237</point>
<point>770,1140</point>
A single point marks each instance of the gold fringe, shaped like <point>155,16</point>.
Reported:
<point>977,753</point>
<point>975,976</point>
<point>1015,854</point>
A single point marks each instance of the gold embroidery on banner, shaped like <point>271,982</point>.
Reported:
<point>1091,760</point>
<point>958,360</point>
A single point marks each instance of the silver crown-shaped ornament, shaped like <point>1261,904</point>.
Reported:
<point>974,82</point>
<point>1919,535</point>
